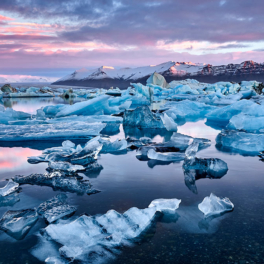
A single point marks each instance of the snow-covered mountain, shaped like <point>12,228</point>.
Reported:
<point>25,79</point>
<point>106,76</point>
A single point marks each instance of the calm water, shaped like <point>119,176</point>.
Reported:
<point>125,182</point>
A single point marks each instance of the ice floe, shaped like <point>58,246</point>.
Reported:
<point>9,188</point>
<point>213,205</point>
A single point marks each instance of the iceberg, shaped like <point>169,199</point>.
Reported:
<point>58,181</point>
<point>10,187</point>
<point>165,156</point>
<point>18,223</point>
<point>9,114</point>
<point>213,205</point>
<point>157,79</point>
<point>142,117</point>
<point>57,131</point>
<point>241,141</point>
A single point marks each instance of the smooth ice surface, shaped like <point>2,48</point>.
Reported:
<point>213,205</point>
<point>18,223</point>
<point>165,156</point>
<point>241,141</point>
<point>142,117</point>
<point>71,130</point>
<point>10,187</point>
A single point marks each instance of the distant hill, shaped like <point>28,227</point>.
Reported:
<point>105,76</point>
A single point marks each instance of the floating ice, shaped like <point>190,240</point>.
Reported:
<point>65,166</point>
<point>109,146</point>
<point>213,205</point>
<point>224,114</point>
<point>56,208</point>
<point>92,239</point>
<point>191,151</point>
<point>71,130</point>
<point>246,123</point>
<point>11,115</point>
<point>18,223</point>
<point>142,117</point>
<point>166,206</point>
<point>9,188</point>
<point>9,200</point>
<point>187,109</point>
<point>168,122</point>
<point>166,156</point>
<point>241,141</point>
<point>58,181</point>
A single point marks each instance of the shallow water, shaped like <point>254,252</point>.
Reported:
<point>125,182</point>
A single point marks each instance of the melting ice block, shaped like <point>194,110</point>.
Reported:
<point>165,156</point>
<point>191,151</point>
<point>9,188</point>
<point>109,146</point>
<point>166,206</point>
<point>18,223</point>
<point>65,166</point>
<point>71,130</point>
<point>213,205</point>
<point>94,239</point>
<point>11,115</point>
<point>241,141</point>
<point>142,117</point>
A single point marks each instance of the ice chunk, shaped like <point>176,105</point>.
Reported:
<point>166,156</point>
<point>241,141</point>
<point>167,206</point>
<point>191,151</point>
<point>56,208</point>
<point>90,107</point>
<point>71,130</point>
<point>157,79</point>
<point>65,166</point>
<point>11,115</point>
<point>9,200</point>
<point>109,146</point>
<point>58,181</point>
<point>213,205</point>
<point>10,187</point>
<point>142,117</point>
<point>246,123</point>
<point>182,141</point>
<point>213,167</point>
<point>94,237</point>
<point>224,114</point>
<point>187,109</point>
<point>18,223</point>
<point>168,122</point>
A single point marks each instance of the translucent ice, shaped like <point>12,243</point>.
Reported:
<point>165,156</point>
<point>169,123</point>
<point>109,146</point>
<point>10,187</point>
<point>241,141</point>
<point>213,205</point>
<point>65,166</point>
<point>142,117</point>
<point>157,79</point>
<point>191,151</point>
<point>167,206</point>
<point>11,115</point>
<point>18,223</point>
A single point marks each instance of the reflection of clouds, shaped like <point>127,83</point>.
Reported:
<point>11,158</point>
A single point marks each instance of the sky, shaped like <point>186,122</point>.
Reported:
<point>55,37</point>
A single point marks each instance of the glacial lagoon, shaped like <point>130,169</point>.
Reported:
<point>124,181</point>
